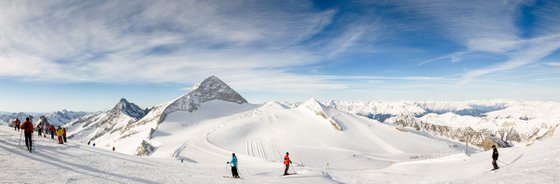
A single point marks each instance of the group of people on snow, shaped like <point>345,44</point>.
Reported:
<point>28,128</point>
<point>233,164</point>
<point>42,129</point>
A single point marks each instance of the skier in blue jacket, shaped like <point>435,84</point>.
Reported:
<point>233,163</point>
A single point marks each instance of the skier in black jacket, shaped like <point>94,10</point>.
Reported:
<point>495,156</point>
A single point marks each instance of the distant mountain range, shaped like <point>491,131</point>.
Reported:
<point>56,118</point>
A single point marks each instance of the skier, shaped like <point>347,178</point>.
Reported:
<point>93,144</point>
<point>17,124</point>
<point>28,131</point>
<point>59,133</point>
<point>51,129</point>
<point>113,148</point>
<point>495,157</point>
<point>39,129</point>
<point>287,163</point>
<point>233,163</point>
<point>64,134</point>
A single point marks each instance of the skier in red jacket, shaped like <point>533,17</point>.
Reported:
<point>27,127</point>
<point>17,124</point>
<point>287,163</point>
<point>52,130</point>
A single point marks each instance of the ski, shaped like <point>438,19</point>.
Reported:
<point>289,174</point>
<point>231,177</point>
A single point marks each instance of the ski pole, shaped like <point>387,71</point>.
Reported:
<point>32,145</point>
<point>293,167</point>
<point>20,134</point>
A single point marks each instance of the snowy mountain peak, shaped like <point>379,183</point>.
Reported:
<point>123,100</point>
<point>129,109</point>
<point>214,88</point>
<point>207,81</point>
<point>314,105</point>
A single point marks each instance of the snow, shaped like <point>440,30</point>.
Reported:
<point>329,142</point>
<point>263,133</point>
<point>78,163</point>
<point>103,127</point>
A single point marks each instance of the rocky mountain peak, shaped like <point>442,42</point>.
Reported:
<point>211,88</point>
<point>129,109</point>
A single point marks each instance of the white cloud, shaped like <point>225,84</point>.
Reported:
<point>465,21</point>
<point>158,41</point>
<point>489,26</point>
<point>553,64</point>
<point>534,50</point>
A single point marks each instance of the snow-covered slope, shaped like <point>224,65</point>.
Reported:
<point>538,163</point>
<point>213,120</point>
<point>133,137</point>
<point>505,122</point>
<point>317,134</point>
<point>78,163</point>
<point>103,126</point>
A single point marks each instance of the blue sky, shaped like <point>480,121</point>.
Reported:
<point>86,55</point>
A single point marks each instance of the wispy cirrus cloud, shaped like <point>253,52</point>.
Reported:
<point>278,46</point>
<point>490,27</point>
<point>553,64</point>
<point>535,51</point>
<point>157,41</point>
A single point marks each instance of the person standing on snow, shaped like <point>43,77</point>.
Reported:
<point>64,134</point>
<point>233,163</point>
<point>28,131</point>
<point>287,163</point>
<point>59,133</point>
<point>17,124</point>
<point>495,156</point>
<point>52,130</point>
<point>39,129</point>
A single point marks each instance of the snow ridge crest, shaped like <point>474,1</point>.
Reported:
<point>212,88</point>
<point>129,109</point>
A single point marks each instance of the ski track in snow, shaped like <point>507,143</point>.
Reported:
<point>78,163</point>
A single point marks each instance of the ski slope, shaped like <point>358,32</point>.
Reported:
<point>79,163</point>
<point>538,163</point>
<point>263,133</point>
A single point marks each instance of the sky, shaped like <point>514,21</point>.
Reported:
<point>86,55</point>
